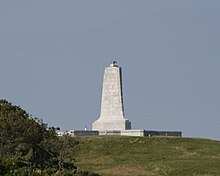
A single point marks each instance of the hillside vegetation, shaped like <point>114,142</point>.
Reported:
<point>28,147</point>
<point>143,156</point>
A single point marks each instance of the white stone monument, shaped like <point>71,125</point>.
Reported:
<point>112,109</point>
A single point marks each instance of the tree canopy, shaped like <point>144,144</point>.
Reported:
<point>29,147</point>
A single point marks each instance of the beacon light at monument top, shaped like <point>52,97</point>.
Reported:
<point>112,108</point>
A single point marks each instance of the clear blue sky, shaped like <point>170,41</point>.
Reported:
<point>53,54</point>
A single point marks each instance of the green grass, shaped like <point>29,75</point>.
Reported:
<point>143,156</point>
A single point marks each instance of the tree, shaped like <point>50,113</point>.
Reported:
<point>28,147</point>
<point>27,144</point>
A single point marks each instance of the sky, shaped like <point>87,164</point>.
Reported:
<point>53,54</point>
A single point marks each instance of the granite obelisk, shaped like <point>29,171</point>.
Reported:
<point>112,108</point>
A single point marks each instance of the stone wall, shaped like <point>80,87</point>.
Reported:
<point>82,133</point>
<point>124,133</point>
<point>163,133</point>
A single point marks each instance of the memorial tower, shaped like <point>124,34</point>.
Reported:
<point>112,108</point>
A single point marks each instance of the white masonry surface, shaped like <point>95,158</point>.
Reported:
<point>112,108</point>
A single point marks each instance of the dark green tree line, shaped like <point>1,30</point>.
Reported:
<point>29,147</point>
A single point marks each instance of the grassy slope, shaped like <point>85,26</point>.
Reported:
<point>145,156</point>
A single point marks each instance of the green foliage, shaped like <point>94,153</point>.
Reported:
<point>118,155</point>
<point>29,147</point>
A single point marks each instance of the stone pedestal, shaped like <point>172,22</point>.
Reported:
<point>112,108</point>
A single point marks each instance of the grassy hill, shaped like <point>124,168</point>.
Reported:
<point>143,156</point>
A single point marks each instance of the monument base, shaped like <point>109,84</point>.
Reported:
<point>74,133</point>
<point>124,133</point>
<point>103,125</point>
